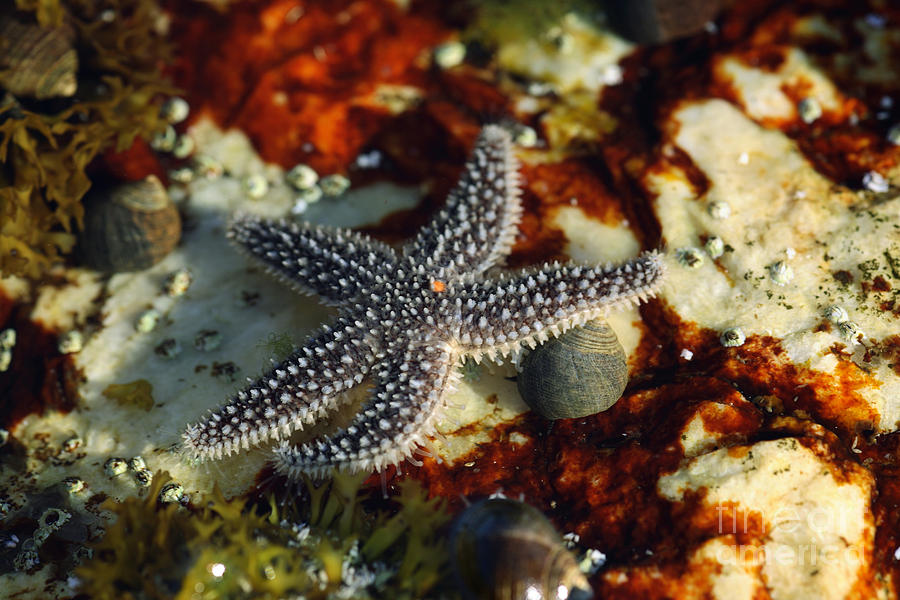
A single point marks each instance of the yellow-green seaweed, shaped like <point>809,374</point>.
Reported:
<point>45,147</point>
<point>137,393</point>
<point>499,22</point>
<point>322,540</point>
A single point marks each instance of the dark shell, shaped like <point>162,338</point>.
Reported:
<point>580,373</point>
<point>129,227</point>
<point>36,61</point>
<point>502,549</point>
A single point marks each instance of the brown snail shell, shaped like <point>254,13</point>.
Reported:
<point>579,373</point>
<point>129,227</point>
<point>502,549</point>
<point>36,61</point>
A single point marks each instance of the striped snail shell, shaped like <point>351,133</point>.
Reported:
<point>35,61</point>
<point>502,549</point>
<point>579,373</point>
<point>129,227</point>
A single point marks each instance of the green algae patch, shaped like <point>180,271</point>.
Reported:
<point>138,394</point>
<point>321,541</point>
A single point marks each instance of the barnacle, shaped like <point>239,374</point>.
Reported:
<point>326,544</point>
<point>45,147</point>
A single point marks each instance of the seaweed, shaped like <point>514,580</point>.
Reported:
<point>322,542</point>
<point>499,22</point>
<point>138,393</point>
<point>46,146</point>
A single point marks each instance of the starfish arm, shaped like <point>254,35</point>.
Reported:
<point>309,383</point>
<point>497,318</point>
<point>400,414</point>
<point>337,264</point>
<point>478,224</point>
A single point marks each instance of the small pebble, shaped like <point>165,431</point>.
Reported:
<point>168,348</point>
<point>334,185</point>
<point>780,272</point>
<point>171,492</point>
<point>310,195</point>
<point>612,74</point>
<point>147,321</point>
<point>207,166</point>
<point>8,338</point>
<point>72,444</point>
<point>207,339</point>
<point>715,247</point>
<point>256,186</point>
<point>182,175</point>
<point>875,182</point>
<point>591,562</point>
<point>732,337</point>
<point>851,332</point>
<point>299,207</point>
<point>175,110</point>
<point>71,342</point>
<point>686,354</point>
<point>177,283</point>
<point>526,137</point>
<point>73,485</point>
<point>570,540</point>
<point>164,141</point>
<point>809,110</point>
<point>369,160</point>
<point>718,209</point>
<point>690,258</point>
<point>836,314</point>
<point>449,54</point>
<point>184,146</point>
<point>5,359</point>
<point>302,177</point>
<point>143,478</point>
<point>115,466</point>
<point>137,464</point>
<point>893,135</point>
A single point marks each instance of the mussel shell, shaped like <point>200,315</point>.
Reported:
<point>579,373</point>
<point>129,227</point>
<point>36,61</point>
<point>502,549</point>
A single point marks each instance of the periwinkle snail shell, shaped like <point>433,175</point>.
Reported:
<point>36,61</point>
<point>579,373</point>
<point>502,549</point>
<point>129,227</point>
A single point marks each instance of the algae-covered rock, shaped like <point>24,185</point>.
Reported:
<point>46,146</point>
<point>322,542</point>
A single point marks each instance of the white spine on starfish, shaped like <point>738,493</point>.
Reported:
<point>406,406</point>
<point>478,224</point>
<point>306,256</point>
<point>529,307</point>
<point>309,384</point>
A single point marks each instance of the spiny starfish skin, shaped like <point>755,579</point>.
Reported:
<point>406,320</point>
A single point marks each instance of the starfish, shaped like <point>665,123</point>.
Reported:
<point>406,320</point>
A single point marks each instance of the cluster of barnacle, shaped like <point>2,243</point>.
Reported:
<point>48,523</point>
<point>76,79</point>
<point>329,545</point>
